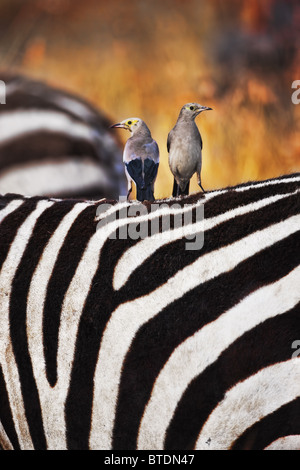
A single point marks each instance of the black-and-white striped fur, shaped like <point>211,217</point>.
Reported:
<point>142,344</point>
<point>55,144</point>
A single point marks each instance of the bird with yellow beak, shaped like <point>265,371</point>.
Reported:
<point>140,157</point>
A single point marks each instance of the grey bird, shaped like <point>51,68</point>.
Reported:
<point>184,145</point>
<point>141,158</point>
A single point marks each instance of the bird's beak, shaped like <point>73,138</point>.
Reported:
<point>120,125</point>
<point>206,108</point>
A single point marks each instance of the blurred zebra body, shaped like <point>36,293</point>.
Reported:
<point>55,144</point>
<point>141,344</point>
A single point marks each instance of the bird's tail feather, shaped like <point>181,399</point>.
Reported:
<point>144,194</point>
<point>177,191</point>
<point>186,191</point>
<point>175,188</point>
<point>144,175</point>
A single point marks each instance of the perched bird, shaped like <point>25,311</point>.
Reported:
<point>141,158</point>
<point>184,145</point>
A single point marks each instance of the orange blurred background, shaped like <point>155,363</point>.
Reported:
<point>147,58</point>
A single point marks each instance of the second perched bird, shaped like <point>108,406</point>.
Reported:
<point>141,158</point>
<point>185,148</point>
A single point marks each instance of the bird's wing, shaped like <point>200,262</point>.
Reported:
<point>133,163</point>
<point>129,152</point>
<point>151,162</point>
<point>151,151</point>
<point>142,173</point>
<point>135,171</point>
<point>198,136</point>
<point>201,143</point>
<point>169,140</point>
<point>150,171</point>
<point>142,164</point>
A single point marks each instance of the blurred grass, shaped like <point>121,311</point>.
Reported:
<point>147,58</point>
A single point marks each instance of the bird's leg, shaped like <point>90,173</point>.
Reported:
<point>199,182</point>
<point>129,190</point>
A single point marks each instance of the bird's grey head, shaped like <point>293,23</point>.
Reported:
<point>133,125</point>
<point>191,110</point>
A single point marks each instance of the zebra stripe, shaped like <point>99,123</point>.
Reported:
<point>131,259</point>
<point>15,124</point>
<point>55,144</point>
<point>275,385</point>
<point>204,347</point>
<point>10,208</point>
<point>7,356</point>
<point>52,398</point>
<point>285,443</point>
<point>126,320</point>
<point>107,344</point>
<point>5,442</point>
<point>64,177</point>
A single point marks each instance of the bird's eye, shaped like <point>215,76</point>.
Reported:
<point>192,108</point>
<point>129,123</point>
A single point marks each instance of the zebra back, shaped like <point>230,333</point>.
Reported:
<point>113,341</point>
<point>54,143</point>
